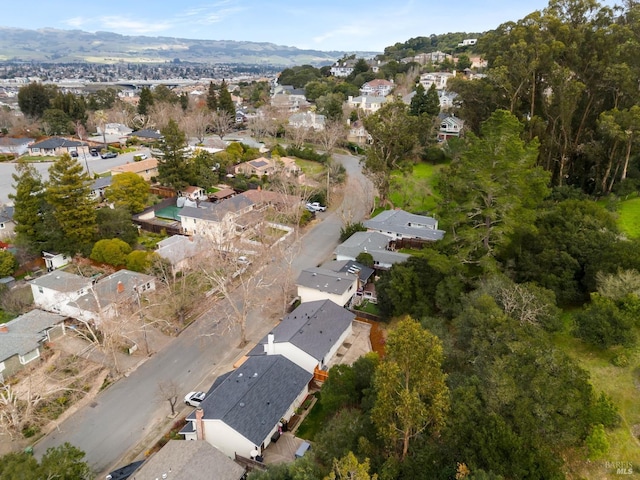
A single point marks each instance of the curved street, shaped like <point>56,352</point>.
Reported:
<point>127,415</point>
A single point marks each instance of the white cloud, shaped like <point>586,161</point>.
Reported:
<point>128,26</point>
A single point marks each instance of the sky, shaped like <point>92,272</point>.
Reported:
<point>328,25</point>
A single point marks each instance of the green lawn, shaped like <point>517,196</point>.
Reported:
<point>622,384</point>
<point>313,422</point>
<point>629,217</point>
<point>310,167</point>
<point>415,192</point>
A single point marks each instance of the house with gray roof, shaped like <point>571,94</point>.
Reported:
<point>243,409</point>
<point>178,250</point>
<point>56,146</point>
<point>317,283</point>
<point>398,224</point>
<point>22,339</point>
<point>373,243</point>
<point>99,186</point>
<point>307,120</point>
<point>14,146</point>
<point>196,460</point>
<point>146,134</point>
<point>309,336</point>
<point>53,291</point>
<point>7,224</point>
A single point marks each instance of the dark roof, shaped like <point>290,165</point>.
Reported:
<point>253,398</point>
<point>58,142</point>
<point>313,327</point>
<point>350,266</point>
<point>6,213</point>
<point>326,280</point>
<point>146,133</point>
<point>101,182</point>
<point>407,224</point>
<point>216,211</point>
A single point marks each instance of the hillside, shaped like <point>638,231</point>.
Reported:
<point>64,46</point>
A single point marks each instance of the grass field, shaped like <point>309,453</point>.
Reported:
<point>629,217</point>
<point>415,192</point>
<point>309,167</point>
<point>622,384</point>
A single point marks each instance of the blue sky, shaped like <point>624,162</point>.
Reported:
<point>345,25</point>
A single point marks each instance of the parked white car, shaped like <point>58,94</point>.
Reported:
<point>316,207</point>
<point>194,399</point>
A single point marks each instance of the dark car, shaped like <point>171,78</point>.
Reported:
<point>94,152</point>
<point>74,153</point>
<point>109,155</point>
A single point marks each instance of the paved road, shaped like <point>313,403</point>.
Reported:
<point>123,415</point>
<point>94,165</point>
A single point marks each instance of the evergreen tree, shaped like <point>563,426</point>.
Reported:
<point>173,169</point>
<point>146,100</point>
<point>418,104</point>
<point>432,102</point>
<point>212,98</point>
<point>34,99</point>
<point>68,194</point>
<point>28,201</point>
<point>225,103</point>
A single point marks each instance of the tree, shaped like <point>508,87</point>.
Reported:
<point>8,263</point>
<point>495,186</point>
<point>67,192</point>
<point>412,396</point>
<point>28,201</point>
<point>212,98</point>
<point>225,102</point>
<point>221,122</point>
<point>418,104</point>
<point>172,167</point>
<point>394,141</point>
<point>138,261</point>
<point>128,191</point>
<point>64,462</point>
<point>349,468</point>
<point>34,99</point>
<point>605,322</point>
<point>56,122</point>
<point>145,102</point>
<point>330,105</point>
<point>168,390</point>
<point>366,259</point>
<point>113,251</point>
<point>432,102</point>
<point>463,62</point>
<point>116,223</point>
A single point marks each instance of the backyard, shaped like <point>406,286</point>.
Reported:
<point>416,192</point>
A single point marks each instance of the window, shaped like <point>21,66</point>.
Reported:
<point>1,225</point>
<point>40,289</point>
<point>29,357</point>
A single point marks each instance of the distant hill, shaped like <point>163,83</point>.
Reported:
<point>64,46</point>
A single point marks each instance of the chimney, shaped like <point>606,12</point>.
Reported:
<point>4,329</point>
<point>270,348</point>
<point>120,287</point>
<point>199,423</point>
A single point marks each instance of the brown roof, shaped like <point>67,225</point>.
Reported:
<point>137,167</point>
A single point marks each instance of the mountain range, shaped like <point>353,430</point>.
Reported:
<point>64,46</point>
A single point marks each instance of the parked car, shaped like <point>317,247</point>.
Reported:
<point>316,207</point>
<point>194,398</point>
<point>74,153</point>
<point>109,155</point>
<point>243,260</point>
<point>94,152</point>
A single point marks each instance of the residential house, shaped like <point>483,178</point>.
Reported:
<point>196,460</point>
<point>269,166</point>
<point>14,146</point>
<point>307,120</point>
<point>358,134</point>
<point>22,339</point>
<point>290,101</point>
<point>57,146</point>
<point>430,57</point>
<point>99,186</point>
<point>147,169</point>
<point>374,243</point>
<point>446,99</point>
<point>318,283</point>
<point>81,298</point>
<point>54,260</point>
<point>397,224</point>
<point>468,42</point>
<point>278,200</point>
<point>439,79</point>
<point>362,272</point>
<point>377,88</point>
<point>221,221</point>
<point>343,68</point>
<point>194,193</point>
<point>309,336</point>
<point>366,104</point>
<point>147,135</point>
<point>7,224</point>
<point>244,408</point>
<point>450,126</point>
<point>117,129</point>
<point>179,250</point>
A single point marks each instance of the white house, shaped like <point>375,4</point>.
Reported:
<point>221,221</point>
<point>439,79</point>
<point>55,260</point>
<point>321,284</point>
<point>309,336</point>
<point>397,224</point>
<point>307,120</point>
<point>450,126</point>
<point>378,87</point>
<point>179,250</point>
<point>373,243</point>
<point>343,68</point>
<point>367,104</point>
<point>243,409</point>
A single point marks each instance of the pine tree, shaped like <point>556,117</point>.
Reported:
<point>432,103</point>
<point>173,170</point>
<point>68,195</point>
<point>225,103</point>
<point>212,98</point>
<point>146,100</point>
<point>418,102</point>
<point>28,201</point>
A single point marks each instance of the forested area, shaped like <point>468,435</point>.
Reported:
<point>488,367</point>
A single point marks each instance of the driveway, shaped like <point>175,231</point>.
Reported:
<point>128,413</point>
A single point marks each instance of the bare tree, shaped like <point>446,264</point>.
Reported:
<point>168,390</point>
<point>195,123</point>
<point>297,135</point>
<point>333,133</point>
<point>161,112</point>
<point>222,123</point>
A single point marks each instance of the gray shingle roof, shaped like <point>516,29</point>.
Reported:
<point>371,242</point>
<point>189,460</point>
<point>361,271</point>
<point>26,332</point>
<point>106,290</point>
<point>145,133</point>
<point>313,327</point>
<point>101,182</point>
<point>325,280</point>
<point>58,142</point>
<point>62,281</point>
<point>216,211</point>
<point>179,247</point>
<point>253,398</point>
<point>407,224</point>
